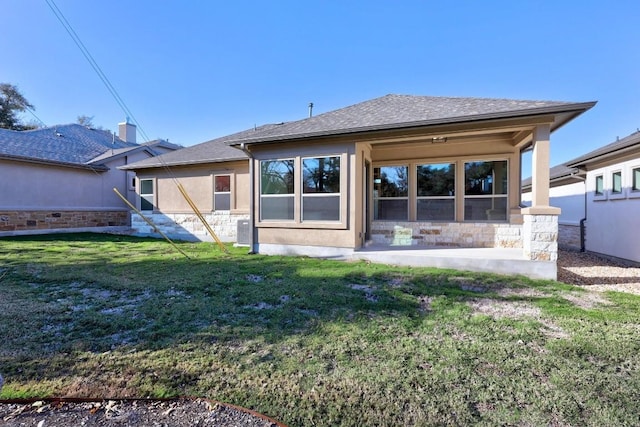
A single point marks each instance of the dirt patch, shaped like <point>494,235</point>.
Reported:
<point>499,309</point>
<point>587,299</point>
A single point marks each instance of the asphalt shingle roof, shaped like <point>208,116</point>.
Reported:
<point>556,172</point>
<point>216,150</point>
<point>399,111</point>
<point>387,112</point>
<point>68,144</point>
<point>626,142</point>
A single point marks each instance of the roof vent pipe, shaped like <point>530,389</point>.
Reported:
<point>310,109</point>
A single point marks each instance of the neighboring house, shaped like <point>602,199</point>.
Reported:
<point>63,177</point>
<point>599,194</point>
<point>396,172</point>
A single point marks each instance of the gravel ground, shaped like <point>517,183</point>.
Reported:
<point>124,413</point>
<point>596,273</point>
<point>582,269</point>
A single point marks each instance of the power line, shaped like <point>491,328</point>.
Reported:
<point>85,52</point>
<point>34,115</point>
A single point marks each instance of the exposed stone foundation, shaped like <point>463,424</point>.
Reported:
<point>540,237</point>
<point>184,226</point>
<point>17,221</point>
<point>461,235</point>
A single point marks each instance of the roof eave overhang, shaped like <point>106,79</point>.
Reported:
<point>180,163</point>
<point>603,157</point>
<point>91,167</point>
<point>565,113</point>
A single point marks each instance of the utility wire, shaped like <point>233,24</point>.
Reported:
<point>34,115</point>
<point>85,52</point>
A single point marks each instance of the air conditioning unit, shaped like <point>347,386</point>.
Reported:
<point>243,232</point>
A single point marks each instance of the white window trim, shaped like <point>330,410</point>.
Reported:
<point>623,191</point>
<point>603,196</point>
<point>153,195</point>
<point>633,194</point>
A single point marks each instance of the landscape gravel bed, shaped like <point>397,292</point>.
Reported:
<point>596,273</point>
<point>151,413</point>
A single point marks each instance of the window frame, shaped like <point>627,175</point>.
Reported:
<point>634,181</point>
<point>262,196</point>
<point>407,198</point>
<point>229,193</point>
<point>602,194</point>
<point>437,197</point>
<point>617,178</point>
<point>312,195</point>
<point>142,195</point>
<point>493,195</point>
<point>297,221</point>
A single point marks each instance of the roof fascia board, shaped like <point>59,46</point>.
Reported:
<point>95,167</point>
<point>609,156</point>
<point>180,163</point>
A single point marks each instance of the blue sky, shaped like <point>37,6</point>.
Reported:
<point>191,71</point>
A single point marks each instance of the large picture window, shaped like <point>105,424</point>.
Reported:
<point>435,191</point>
<point>277,190</point>
<point>222,192</point>
<point>485,193</point>
<point>391,193</point>
<point>321,189</point>
<point>146,195</point>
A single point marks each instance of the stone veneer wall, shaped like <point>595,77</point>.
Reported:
<point>455,234</point>
<point>187,226</point>
<point>569,236</point>
<point>28,220</point>
<point>540,237</point>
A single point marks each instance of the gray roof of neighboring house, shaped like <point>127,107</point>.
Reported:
<point>148,146</point>
<point>405,111</point>
<point>212,151</point>
<point>72,144</point>
<point>628,142</point>
<point>572,167</point>
<point>555,173</point>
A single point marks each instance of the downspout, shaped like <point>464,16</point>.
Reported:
<point>583,220</point>
<point>252,221</point>
<point>583,247</point>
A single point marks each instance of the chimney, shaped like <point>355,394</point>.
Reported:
<point>127,131</point>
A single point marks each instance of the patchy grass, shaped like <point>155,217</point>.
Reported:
<point>312,342</point>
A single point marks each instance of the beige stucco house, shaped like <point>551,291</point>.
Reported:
<point>395,172</point>
<point>62,178</point>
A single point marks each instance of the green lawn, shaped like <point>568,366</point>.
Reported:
<point>312,342</point>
